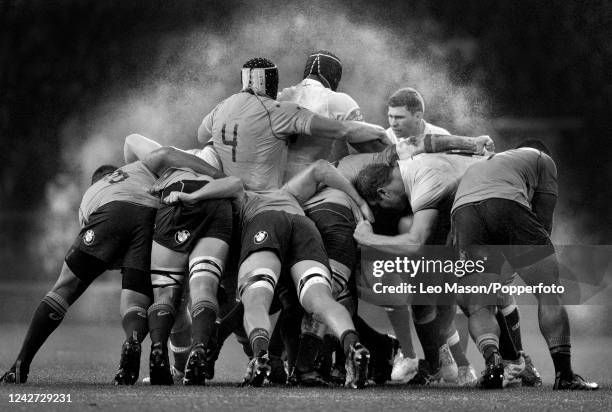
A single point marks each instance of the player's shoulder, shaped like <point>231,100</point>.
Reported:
<point>287,94</point>
<point>433,129</point>
<point>342,100</point>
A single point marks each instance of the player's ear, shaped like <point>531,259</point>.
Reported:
<point>418,115</point>
<point>382,193</point>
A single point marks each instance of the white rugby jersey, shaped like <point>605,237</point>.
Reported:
<point>429,129</point>
<point>431,179</point>
<point>312,95</point>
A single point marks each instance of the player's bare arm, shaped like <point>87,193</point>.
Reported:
<point>137,147</point>
<point>352,131</point>
<point>161,159</point>
<point>423,223</point>
<point>224,188</point>
<point>321,173</point>
<point>434,143</point>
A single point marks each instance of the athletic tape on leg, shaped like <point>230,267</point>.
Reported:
<point>310,277</point>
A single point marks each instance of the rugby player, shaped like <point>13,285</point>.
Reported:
<point>422,188</point>
<point>250,130</point>
<point>194,236</point>
<point>509,200</point>
<point>406,108</point>
<point>277,236</point>
<point>116,216</point>
<point>331,213</point>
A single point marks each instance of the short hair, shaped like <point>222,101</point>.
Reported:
<point>371,178</point>
<point>102,171</point>
<point>408,97</point>
<point>535,144</point>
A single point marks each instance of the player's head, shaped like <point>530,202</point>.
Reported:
<point>405,112</point>
<point>260,75</point>
<point>382,186</point>
<point>326,66</point>
<point>535,144</point>
<point>102,171</point>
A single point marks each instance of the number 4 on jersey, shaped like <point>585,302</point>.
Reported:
<point>232,143</point>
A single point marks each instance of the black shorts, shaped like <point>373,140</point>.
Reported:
<point>178,227</point>
<point>119,234</point>
<point>292,237</point>
<point>494,229</point>
<point>336,224</point>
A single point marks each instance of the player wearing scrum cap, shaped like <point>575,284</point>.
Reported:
<point>250,130</point>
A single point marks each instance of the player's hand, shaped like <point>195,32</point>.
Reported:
<point>177,197</point>
<point>363,232</point>
<point>484,145</point>
<point>154,190</point>
<point>366,212</point>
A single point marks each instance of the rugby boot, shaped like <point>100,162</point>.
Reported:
<point>466,376</point>
<point>15,375</point>
<point>577,383</point>
<point>422,376</point>
<point>258,370</point>
<point>493,376</point>
<point>278,374</point>
<point>159,365</point>
<point>357,361</point>
<point>404,369</point>
<point>530,375</point>
<point>195,367</point>
<point>129,365</point>
<point>382,367</point>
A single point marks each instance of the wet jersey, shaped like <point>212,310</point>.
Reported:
<point>126,184</point>
<point>251,133</point>
<point>514,175</point>
<point>312,95</point>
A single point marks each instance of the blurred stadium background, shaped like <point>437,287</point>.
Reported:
<point>77,76</point>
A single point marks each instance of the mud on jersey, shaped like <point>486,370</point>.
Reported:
<point>126,184</point>
<point>251,133</point>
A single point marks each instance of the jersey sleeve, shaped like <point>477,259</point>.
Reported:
<point>207,123</point>
<point>345,107</point>
<point>288,118</point>
<point>547,175</point>
<point>428,189</point>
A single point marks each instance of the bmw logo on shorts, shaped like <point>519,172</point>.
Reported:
<point>181,236</point>
<point>89,237</point>
<point>260,237</point>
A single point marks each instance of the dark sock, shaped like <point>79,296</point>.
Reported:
<point>459,355</point>
<point>135,323</point>
<point>369,337</point>
<point>562,359</point>
<point>276,346</point>
<point>488,353</point>
<point>230,323</point>
<point>308,350</point>
<point>348,338</point>
<point>161,319</point>
<point>507,349</point>
<point>429,335</point>
<point>259,340</point>
<point>461,323</point>
<point>514,328</point>
<point>203,318</point>
<point>49,314</point>
<point>290,333</point>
